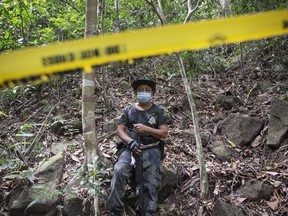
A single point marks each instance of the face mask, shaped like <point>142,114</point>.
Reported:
<point>144,97</point>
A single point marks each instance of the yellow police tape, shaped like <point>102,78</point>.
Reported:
<point>42,62</point>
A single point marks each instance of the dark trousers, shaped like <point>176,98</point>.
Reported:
<point>151,181</point>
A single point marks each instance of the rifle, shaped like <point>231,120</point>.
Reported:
<point>139,185</point>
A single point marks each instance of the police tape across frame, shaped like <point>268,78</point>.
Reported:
<point>41,62</point>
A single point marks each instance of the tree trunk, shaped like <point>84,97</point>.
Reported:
<point>200,156</point>
<point>88,102</point>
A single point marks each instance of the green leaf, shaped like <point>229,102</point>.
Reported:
<point>39,186</point>
<point>32,203</point>
<point>12,176</point>
<point>29,174</point>
<point>2,162</point>
<point>7,34</point>
<point>27,126</point>
<point>91,191</point>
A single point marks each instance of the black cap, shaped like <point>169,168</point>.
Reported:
<point>146,81</point>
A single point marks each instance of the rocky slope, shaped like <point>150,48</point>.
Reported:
<point>245,91</point>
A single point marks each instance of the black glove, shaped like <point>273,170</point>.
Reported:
<point>134,145</point>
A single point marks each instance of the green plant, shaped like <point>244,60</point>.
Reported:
<point>29,23</point>
<point>10,96</point>
<point>22,175</point>
<point>192,191</point>
<point>95,177</point>
<point>8,164</point>
<point>45,192</point>
<point>69,130</point>
<point>25,130</point>
<point>23,136</point>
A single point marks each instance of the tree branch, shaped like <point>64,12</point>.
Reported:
<point>68,3</point>
<point>158,10</point>
<point>191,10</point>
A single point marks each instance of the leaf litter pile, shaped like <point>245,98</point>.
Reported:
<point>45,104</point>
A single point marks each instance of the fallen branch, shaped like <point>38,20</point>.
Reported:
<point>248,95</point>
<point>188,185</point>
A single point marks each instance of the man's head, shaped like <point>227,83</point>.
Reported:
<point>144,89</point>
<point>144,81</point>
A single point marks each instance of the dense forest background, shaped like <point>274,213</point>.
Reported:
<point>39,23</point>
<point>28,112</point>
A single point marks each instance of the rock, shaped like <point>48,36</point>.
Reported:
<point>52,169</point>
<point>62,127</point>
<point>218,148</point>
<point>222,208</point>
<point>278,123</point>
<point>73,205</point>
<point>265,86</point>
<point>57,127</point>
<point>58,147</point>
<point>39,198</point>
<point>228,102</point>
<point>169,181</point>
<point>218,117</point>
<point>255,190</point>
<point>241,130</point>
<point>188,135</point>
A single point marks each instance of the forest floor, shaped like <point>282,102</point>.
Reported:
<point>42,105</point>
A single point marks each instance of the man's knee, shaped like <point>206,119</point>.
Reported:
<point>121,170</point>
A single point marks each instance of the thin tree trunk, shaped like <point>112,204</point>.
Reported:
<point>204,184</point>
<point>103,83</point>
<point>88,102</point>
<point>200,155</point>
<point>117,8</point>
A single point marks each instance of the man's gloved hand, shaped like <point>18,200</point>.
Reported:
<point>134,145</point>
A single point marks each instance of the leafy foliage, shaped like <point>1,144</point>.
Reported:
<point>95,177</point>
<point>246,6</point>
<point>25,174</point>
<point>29,23</point>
